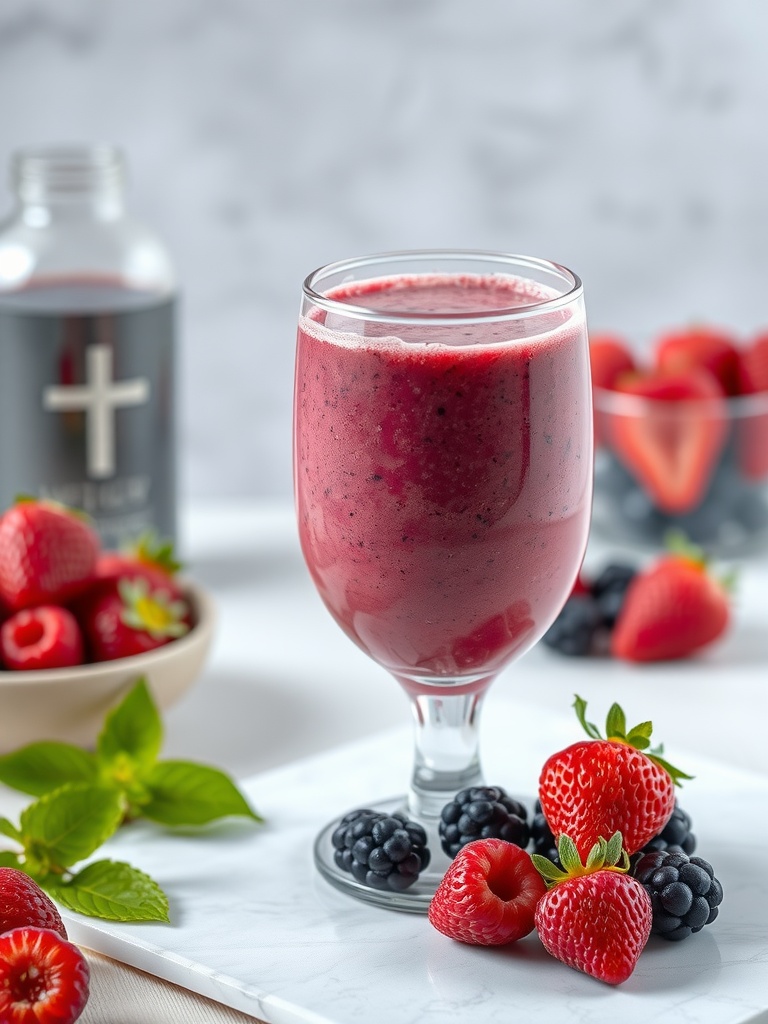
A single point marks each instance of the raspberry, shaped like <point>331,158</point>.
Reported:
<point>482,812</point>
<point>488,895</point>
<point>684,892</point>
<point>382,851</point>
<point>43,978</point>
<point>43,637</point>
<point>23,902</point>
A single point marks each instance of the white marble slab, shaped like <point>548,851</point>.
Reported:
<point>255,927</point>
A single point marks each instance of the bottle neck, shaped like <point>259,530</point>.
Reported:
<point>69,183</point>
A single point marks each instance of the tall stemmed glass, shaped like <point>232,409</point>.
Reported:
<point>443,480</point>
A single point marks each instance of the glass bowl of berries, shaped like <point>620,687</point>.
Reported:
<point>681,440</point>
<point>79,626</point>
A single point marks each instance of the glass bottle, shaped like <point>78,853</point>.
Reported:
<point>87,346</point>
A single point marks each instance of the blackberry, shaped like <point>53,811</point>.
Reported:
<point>685,895</point>
<point>609,588</point>
<point>577,629</point>
<point>676,835</point>
<point>482,812</point>
<point>544,842</point>
<point>382,851</point>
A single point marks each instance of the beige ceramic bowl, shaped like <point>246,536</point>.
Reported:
<point>70,703</point>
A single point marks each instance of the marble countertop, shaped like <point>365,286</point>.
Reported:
<point>284,684</point>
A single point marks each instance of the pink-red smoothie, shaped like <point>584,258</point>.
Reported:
<point>443,472</point>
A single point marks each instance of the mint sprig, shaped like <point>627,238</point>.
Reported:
<point>66,826</point>
<point>83,798</point>
<point>127,759</point>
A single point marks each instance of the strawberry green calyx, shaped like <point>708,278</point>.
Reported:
<point>639,736</point>
<point>153,550</point>
<point>153,612</point>
<point>678,545</point>
<point>605,855</point>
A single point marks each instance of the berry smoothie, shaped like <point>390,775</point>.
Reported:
<point>443,471</point>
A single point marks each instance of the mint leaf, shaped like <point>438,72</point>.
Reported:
<point>67,825</point>
<point>7,828</point>
<point>39,768</point>
<point>113,891</point>
<point>133,728</point>
<point>185,793</point>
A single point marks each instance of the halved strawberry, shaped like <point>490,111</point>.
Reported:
<point>700,347</point>
<point>43,978</point>
<point>670,435</point>
<point>753,425</point>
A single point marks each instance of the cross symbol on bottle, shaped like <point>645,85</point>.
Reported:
<point>99,397</point>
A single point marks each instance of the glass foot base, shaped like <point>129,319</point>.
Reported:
<point>416,899</point>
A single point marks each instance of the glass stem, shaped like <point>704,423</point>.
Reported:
<point>446,757</point>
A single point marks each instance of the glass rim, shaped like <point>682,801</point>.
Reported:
<point>317,298</point>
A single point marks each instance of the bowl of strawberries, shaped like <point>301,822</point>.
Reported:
<point>681,439</point>
<point>79,625</point>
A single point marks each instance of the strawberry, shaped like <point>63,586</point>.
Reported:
<point>671,436</point>
<point>594,917</point>
<point>609,358</point>
<point>43,637</point>
<point>671,610</point>
<point>753,366</point>
<point>47,553</point>
<point>43,978</point>
<point>23,902</point>
<point>150,559</point>
<point>488,895</point>
<point>599,786</point>
<point>127,617</point>
<point>697,347</point>
<point>753,426</point>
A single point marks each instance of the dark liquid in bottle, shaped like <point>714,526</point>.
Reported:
<point>87,403</point>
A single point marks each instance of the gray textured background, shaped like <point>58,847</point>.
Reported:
<point>266,137</point>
